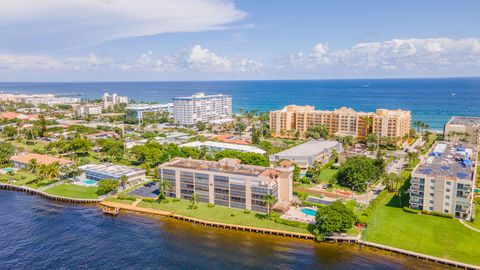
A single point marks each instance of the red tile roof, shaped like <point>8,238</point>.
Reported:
<point>41,159</point>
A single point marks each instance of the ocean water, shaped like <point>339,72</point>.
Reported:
<point>40,234</point>
<point>432,101</point>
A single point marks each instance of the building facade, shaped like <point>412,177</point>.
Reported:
<point>37,99</point>
<point>293,121</point>
<point>229,183</point>
<point>84,110</point>
<point>187,111</point>
<point>110,101</point>
<point>462,128</point>
<point>220,146</point>
<point>304,155</point>
<point>136,111</point>
<point>444,181</point>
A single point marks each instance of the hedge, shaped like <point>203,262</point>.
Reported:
<point>410,210</point>
<point>126,197</point>
<point>307,203</point>
<point>437,214</point>
<point>291,223</point>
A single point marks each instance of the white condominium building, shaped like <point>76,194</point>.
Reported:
<point>137,110</point>
<point>445,180</point>
<point>84,110</point>
<point>199,107</point>
<point>113,99</point>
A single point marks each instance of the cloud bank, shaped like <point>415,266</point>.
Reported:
<point>397,56</point>
<point>66,23</point>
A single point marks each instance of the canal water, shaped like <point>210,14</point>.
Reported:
<point>36,233</point>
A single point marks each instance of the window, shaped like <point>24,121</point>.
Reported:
<point>448,190</point>
<point>449,183</point>
<point>447,197</point>
<point>431,194</point>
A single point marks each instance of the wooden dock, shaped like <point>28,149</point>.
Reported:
<point>113,211</point>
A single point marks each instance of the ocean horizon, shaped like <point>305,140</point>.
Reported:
<point>431,100</point>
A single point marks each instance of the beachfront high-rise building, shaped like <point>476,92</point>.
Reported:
<point>84,110</point>
<point>294,120</point>
<point>187,111</point>
<point>445,180</point>
<point>462,128</point>
<point>110,101</point>
<point>229,183</point>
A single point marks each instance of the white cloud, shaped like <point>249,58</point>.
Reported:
<point>397,56</point>
<point>58,23</point>
<point>196,59</point>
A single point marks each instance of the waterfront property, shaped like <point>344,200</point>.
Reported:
<point>462,127</point>
<point>291,119</point>
<point>102,171</point>
<point>229,183</point>
<point>136,111</point>
<point>219,146</point>
<point>21,161</point>
<point>37,99</point>
<point>187,111</point>
<point>444,181</point>
<point>304,155</point>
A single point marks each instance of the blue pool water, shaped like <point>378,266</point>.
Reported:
<point>90,182</point>
<point>309,211</point>
<point>8,169</point>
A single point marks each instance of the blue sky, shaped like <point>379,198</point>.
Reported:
<point>98,40</point>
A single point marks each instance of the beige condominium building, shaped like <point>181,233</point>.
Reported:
<point>463,128</point>
<point>294,120</point>
<point>444,180</point>
<point>229,183</point>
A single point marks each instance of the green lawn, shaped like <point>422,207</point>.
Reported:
<point>326,175</point>
<point>221,214</point>
<point>39,146</point>
<point>116,200</point>
<point>436,236</point>
<point>20,178</point>
<point>73,191</point>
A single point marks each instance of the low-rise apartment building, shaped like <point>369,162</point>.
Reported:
<point>187,111</point>
<point>136,111</point>
<point>219,146</point>
<point>305,154</point>
<point>463,128</point>
<point>293,120</point>
<point>229,183</point>
<point>102,171</point>
<point>84,110</point>
<point>444,180</point>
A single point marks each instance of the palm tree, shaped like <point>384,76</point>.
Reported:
<point>193,200</point>
<point>42,171</point>
<point>391,181</point>
<point>123,181</point>
<point>302,196</point>
<point>163,186</point>
<point>53,170</point>
<point>269,200</point>
<point>32,165</point>
<point>11,173</point>
<point>418,125</point>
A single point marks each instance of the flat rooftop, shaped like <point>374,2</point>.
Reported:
<point>201,96</point>
<point>444,159</point>
<point>309,148</point>
<point>231,146</point>
<point>464,120</point>
<point>111,169</point>
<point>225,165</point>
<point>143,106</point>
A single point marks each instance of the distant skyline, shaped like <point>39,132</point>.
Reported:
<point>157,40</point>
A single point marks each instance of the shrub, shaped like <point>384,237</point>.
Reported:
<point>165,201</point>
<point>291,223</point>
<point>440,214</point>
<point>23,177</point>
<point>210,205</point>
<point>232,214</point>
<point>307,203</point>
<point>175,200</point>
<point>107,185</point>
<point>410,210</point>
<point>126,197</point>
<point>247,211</point>
<point>148,200</point>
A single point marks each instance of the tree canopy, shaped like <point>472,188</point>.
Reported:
<point>357,171</point>
<point>335,218</point>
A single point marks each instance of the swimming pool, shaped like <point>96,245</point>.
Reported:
<point>8,170</point>
<point>309,211</point>
<point>89,182</point>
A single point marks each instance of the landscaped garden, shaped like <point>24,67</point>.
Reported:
<point>73,191</point>
<point>221,214</point>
